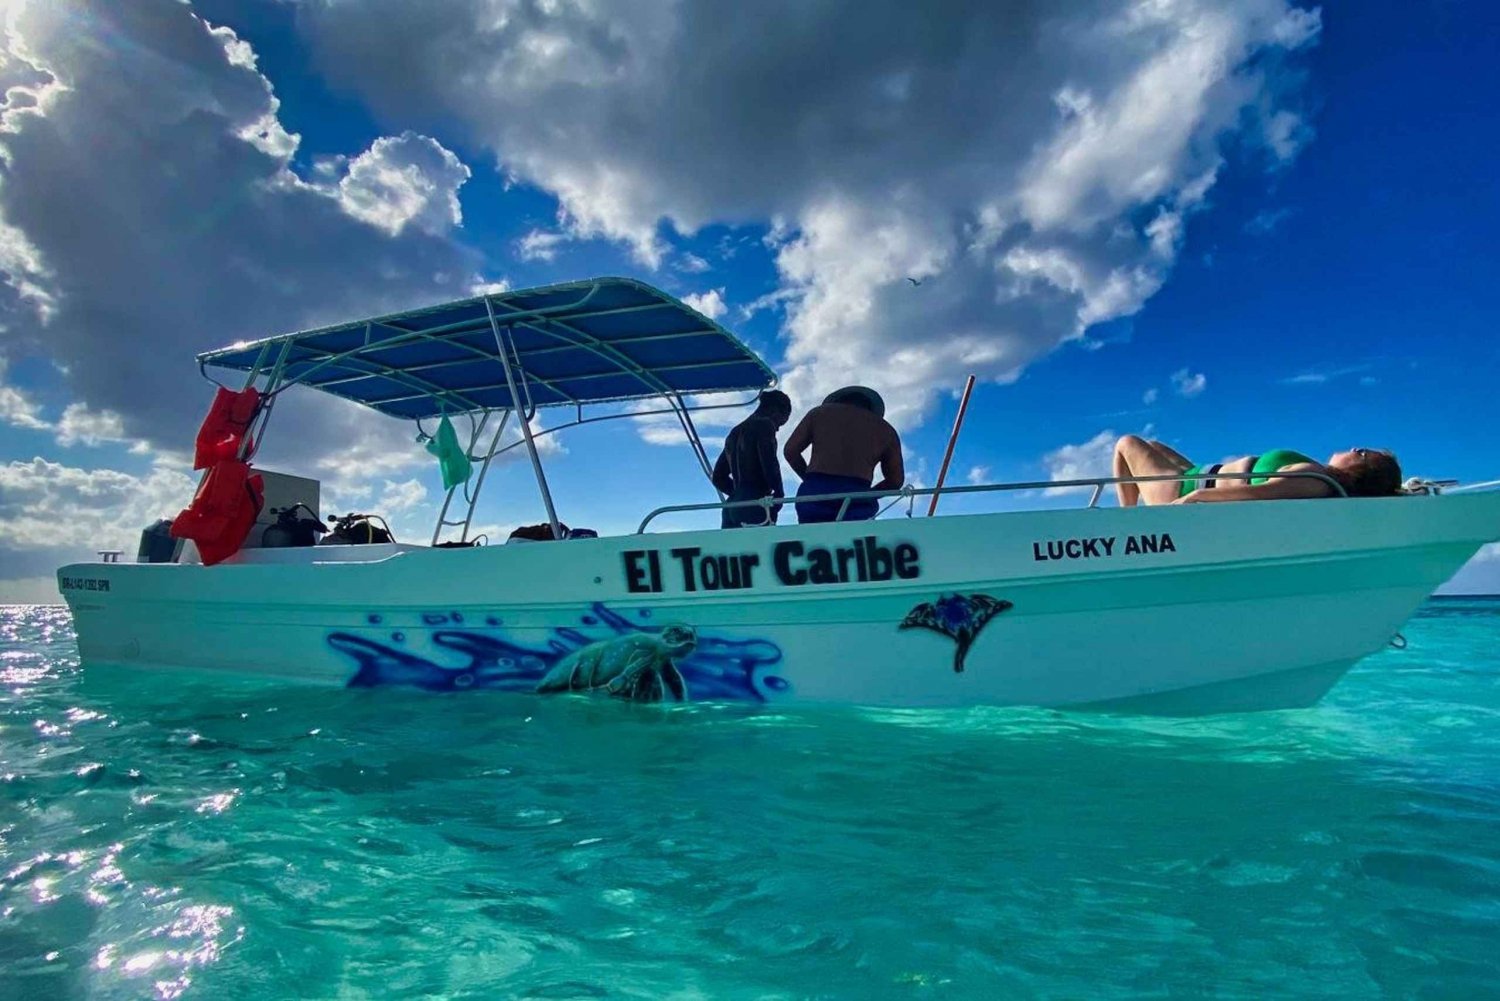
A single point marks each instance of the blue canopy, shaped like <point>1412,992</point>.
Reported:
<point>584,342</point>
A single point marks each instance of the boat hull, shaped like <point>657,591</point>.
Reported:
<point>1202,608</point>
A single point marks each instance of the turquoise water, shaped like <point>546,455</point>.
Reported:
<point>167,836</point>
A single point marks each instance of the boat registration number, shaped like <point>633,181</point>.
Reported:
<point>82,584</point>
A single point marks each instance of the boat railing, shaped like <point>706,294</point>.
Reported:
<point>1454,487</point>
<point>1097,483</point>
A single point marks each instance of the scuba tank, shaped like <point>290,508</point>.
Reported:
<point>292,530</point>
<point>358,530</point>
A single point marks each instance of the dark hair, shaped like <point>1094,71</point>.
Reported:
<point>774,399</point>
<point>1376,473</point>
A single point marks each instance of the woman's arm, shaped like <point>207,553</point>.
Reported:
<point>1279,488</point>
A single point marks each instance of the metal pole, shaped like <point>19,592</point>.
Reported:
<point>958,423</point>
<point>515,400</point>
<point>483,471</point>
<point>691,430</point>
<point>851,495</point>
<point>442,518</point>
<point>256,432</point>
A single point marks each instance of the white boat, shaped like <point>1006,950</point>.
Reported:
<point>1189,608</point>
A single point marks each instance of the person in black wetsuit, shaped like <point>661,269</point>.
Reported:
<point>749,468</point>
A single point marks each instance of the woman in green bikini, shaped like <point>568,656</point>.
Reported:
<point>1362,472</point>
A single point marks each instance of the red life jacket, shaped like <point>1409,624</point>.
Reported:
<point>228,421</point>
<point>222,512</point>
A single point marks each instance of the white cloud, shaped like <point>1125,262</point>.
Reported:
<point>49,506</point>
<point>1127,145</point>
<point>1286,133</point>
<point>265,133</point>
<point>17,408</point>
<point>406,180</point>
<point>1150,396</point>
<point>710,303</point>
<point>1086,460</point>
<point>380,450</point>
<point>540,245</point>
<point>873,163</point>
<point>1319,377</point>
<point>846,270</point>
<point>482,287</point>
<point>1264,222</point>
<point>1297,27</point>
<point>22,267</point>
<point>978,475</point>
<point>403,496</point>
<point>727,410</point>
<point>692,264</point>
<point>663,434</point>
<point>185,226</point>
<point>80,425</point>
<point>776,299</point>
<point>1189,384</point>
<point>377,449</point>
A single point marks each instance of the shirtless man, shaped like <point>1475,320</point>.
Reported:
<point>849,438</point>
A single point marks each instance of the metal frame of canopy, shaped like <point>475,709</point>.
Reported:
<point>413,365</point>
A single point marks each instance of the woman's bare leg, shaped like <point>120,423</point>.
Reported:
<point>1171,453</point>
<point>1128,493</point>
<point>1134,456</point>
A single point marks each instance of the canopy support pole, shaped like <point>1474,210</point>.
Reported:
<point>489,456</point>
<point>471,499</point>
<point>503,350</point>
<point>695,441</point>
<point>958,424</point>
<point>257,434</point>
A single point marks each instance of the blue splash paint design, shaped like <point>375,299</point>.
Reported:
<point>717,669</point>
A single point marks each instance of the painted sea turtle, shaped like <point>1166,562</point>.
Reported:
<point>638,667</point>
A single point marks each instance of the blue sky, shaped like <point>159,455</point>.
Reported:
<point>1241,225</point>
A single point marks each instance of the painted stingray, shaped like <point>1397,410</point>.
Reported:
<point>960,617</point>
<point>711,667</point>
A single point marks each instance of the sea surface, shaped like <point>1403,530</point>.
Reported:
<point>174,836</point>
